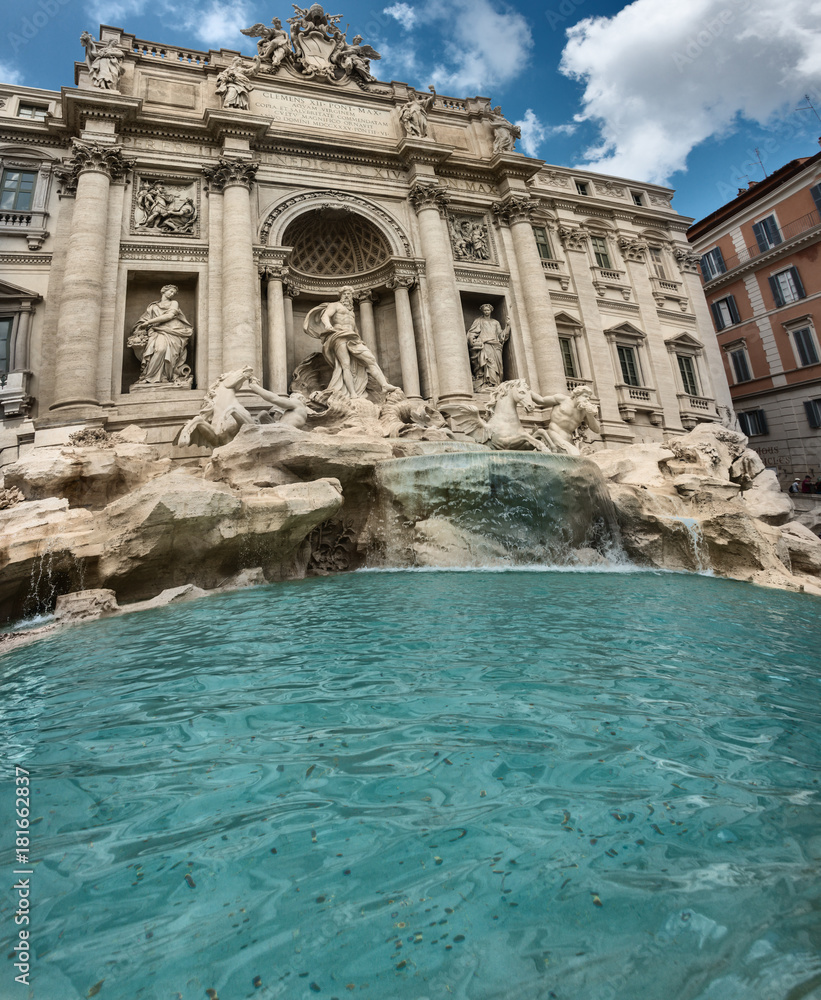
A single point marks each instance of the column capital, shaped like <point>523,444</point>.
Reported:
<point>290,289</point>
<point>688,260</point>
<point>89,157</point>
<point>430,194</point>
<point>401,281</point>
<point>513,209</point>
<point>273,272</point>
<point>633,249</point>
<point>231,172</point>
<point>367,296</point>
<point>573,238</point>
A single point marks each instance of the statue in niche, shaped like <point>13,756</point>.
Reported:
<point>273,47</point>
<point>486,341</point>
<point>160,340</point>
<point>568,416</point>
<point>104,61</point>
<point>222,416</point>
<point>234,86</point>
<point>164,209</point>
<point>469,239</point>
<point>414,114</point>
<point>334,325</point>
<point>505,133</point>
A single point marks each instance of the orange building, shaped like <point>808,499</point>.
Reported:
<point>761,268</point>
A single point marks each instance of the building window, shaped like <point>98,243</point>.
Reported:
<point>813,408</point>
<point>657,260</point>
<point>37,112</point>
<point>629,365</point>
<point>816,197</point>
<point>542,243</point>
<point>767,234</point>
<point>569,359</point>
<point>638,197</point>
<point>725,313</point>
<point>583,188</point>
<point>805,347</point>
<point>712,264</point>
<point>17,190</point>
<point>600,252</point>
<point>741,364</point>
<point>753,423</point>
<point>687,367</point>
<point>787,287</point>
<point>5,345</point>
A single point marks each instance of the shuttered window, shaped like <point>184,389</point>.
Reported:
<point>741,365</point>
<point>753,423</point>
<point>805,347</point>
<point>712,264</point>
<point>767,234</point>
<point>816,196</point>
<point>542,243</point>
<point>599,244</point>
<point>787,287</point>
<point>813,408</point>
<point>725,312</point>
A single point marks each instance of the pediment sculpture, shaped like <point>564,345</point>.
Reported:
<point>315,47</point>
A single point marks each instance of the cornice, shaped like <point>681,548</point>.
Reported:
<point>784,249</point>
<point>25,258</point>
<point>163,251</point>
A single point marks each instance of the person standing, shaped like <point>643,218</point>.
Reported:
<point>806,485</point>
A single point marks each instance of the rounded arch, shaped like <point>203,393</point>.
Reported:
<point>11,151</point>
<point>280,216</point>
<point>334,243</point>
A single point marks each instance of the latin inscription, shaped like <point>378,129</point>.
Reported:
<point>326,116</point>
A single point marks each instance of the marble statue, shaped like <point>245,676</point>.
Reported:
<point>486,341</point>
<point>503,430</point>
<point>469,239</point>
<point>164,209</point>
<point>222,415</point>
<point>234,86</point>
<point>568,415</point>
<point>334,325</point>
<point>313,37</point>
<point>414,114</point>
<point>273,47</point>
<point>160,340</point>
<point>505,133</point>
<point>104,61</point>
<point>353,59</point>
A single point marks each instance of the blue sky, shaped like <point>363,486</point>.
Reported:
<point>680,92</point>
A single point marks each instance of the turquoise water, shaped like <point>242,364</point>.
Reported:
<point>490,786</point>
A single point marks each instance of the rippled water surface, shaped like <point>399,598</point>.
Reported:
<point>493,786</point>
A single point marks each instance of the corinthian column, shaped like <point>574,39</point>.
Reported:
<point>516,212</point>
<point>240,282</point>
<point>88,175</point>
<point>452,361</point>
<point>366,320</point>
<point>407,338</point>
<point>277,330</point>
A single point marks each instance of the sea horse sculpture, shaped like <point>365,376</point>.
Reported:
<point>503,430</point>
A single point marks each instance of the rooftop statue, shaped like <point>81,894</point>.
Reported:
<point>315,47</point>
<point>505,133</point>
<point>234,86</point>
<point>414,114</point>
<point>104,61</point>
<point>334,325</point>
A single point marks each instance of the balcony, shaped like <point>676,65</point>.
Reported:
<point>695,410</point>
<point>634,399</point>
<point>791,234</point>
<point>608,277</point>
<point>32,225</point>
<point>665,288</point>
<point>14,398</point>
<point>556,269</point>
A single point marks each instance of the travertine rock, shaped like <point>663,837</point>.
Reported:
<point>804,548</point>
<point>439,542</point>
<point>86,477</point>
<point>638,465</point>
<point>85,605</point>
<point>766,501</point>
<point>705,489</point>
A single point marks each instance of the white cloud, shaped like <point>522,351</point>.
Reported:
<point>10,75</point>
<point>114,12</point>
<point>486,46</point>
<point>534,132</point>
<point>661,76</point>
<point>220,24</point>
<point>403,13</point>
<point>216,24</point>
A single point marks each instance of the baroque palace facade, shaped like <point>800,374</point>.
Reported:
<point>219,201</point>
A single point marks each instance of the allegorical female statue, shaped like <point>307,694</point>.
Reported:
<point>414,114</point>
<point>234,86</point>
<point>104,61</point>
<point>486,341</point>
<point>160,340</point>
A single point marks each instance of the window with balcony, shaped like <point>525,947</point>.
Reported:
<point>629,363</point>
<point>36,112</point>
<point>806,350</point>
<point>687,369</point>
<point>543,243</point>
<point>571,369</point>
<point>725,313</point>
<point>753,423</point>
<point>816,197</point>
<point>740,364</point>
<point>712,264</point>
<point>600,251</point>
<point>787,287</point>
<point>657,260</point>
<point>6,323</point>
<point>17,190</point>
<point>767,234</point>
